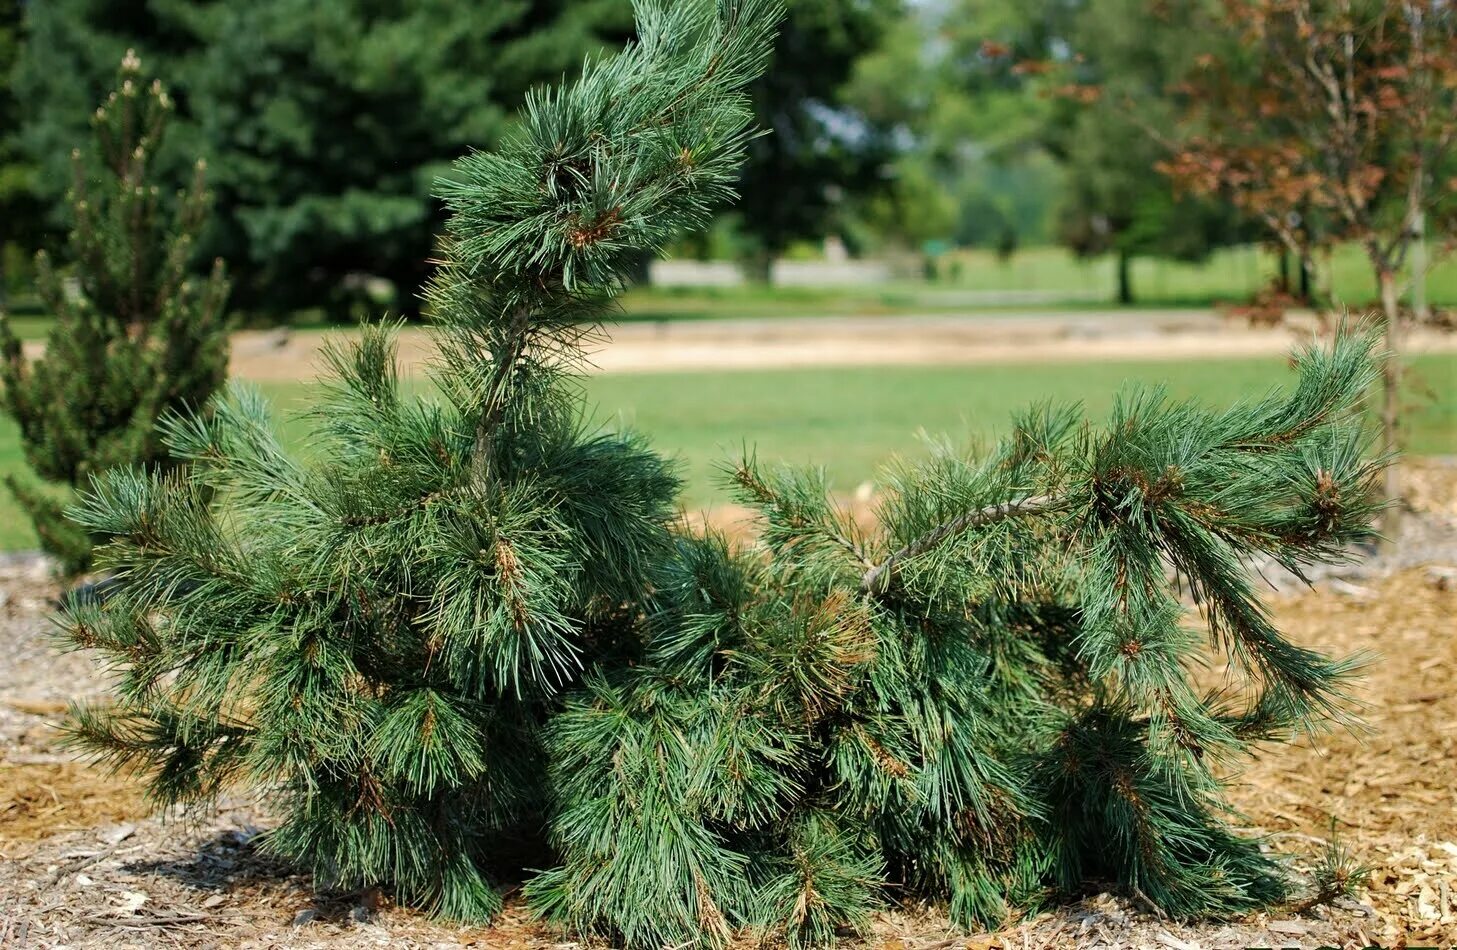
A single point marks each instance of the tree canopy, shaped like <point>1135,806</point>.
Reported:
<point>820,150</point>
<point>21,219</point>
<point>989,92</point>
<point>324,123</point>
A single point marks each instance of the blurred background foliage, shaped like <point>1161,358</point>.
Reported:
<point>904,129</point>
<point>325,125</point>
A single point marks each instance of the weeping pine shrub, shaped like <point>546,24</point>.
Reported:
<point>135,332</point>
<point>986,700</point>
<point>474,624</point>
<point>378,638</point>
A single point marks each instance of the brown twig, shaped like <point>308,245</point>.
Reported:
<point>877,578</point>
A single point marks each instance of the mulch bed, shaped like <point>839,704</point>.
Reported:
<point>84,864</point>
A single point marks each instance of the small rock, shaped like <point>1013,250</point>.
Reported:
<point>305,917</point>
<point>359,914</point>
<point>131,902</point>
<point>213,901</point>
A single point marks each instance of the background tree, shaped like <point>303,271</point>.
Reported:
<point>1083,82</point>
<point>135,335</point>
<point>1333,122</point>
<point>20,209</point>
<point>966,166</point>
<point>324,124</point>
<point>822,152</point>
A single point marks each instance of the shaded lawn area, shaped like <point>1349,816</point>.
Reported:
<point>851,420</point>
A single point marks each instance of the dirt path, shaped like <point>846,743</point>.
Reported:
<point>84,864</point>
<point>908,340</point>
<point>857,341</point>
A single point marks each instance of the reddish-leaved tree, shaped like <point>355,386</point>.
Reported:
<point>1331,121</point>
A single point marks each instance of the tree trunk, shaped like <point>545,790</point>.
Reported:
<point>759,266</point>
<point>1420,312</point>
<point>1282,280</point>
<point>1391,398</point>
<point>1125,279</point>
<point>1306,266</point>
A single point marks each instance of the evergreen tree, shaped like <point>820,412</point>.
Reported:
<point>20,210</point>
<point>325,124</point>
<point>474,617</point>
<point>381,636</point>
<point>135,335</point>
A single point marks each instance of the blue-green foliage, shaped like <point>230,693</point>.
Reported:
<point>987,698</point>
<point>379,637</point>
<point>476,618</point>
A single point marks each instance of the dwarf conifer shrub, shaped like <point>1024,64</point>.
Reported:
<point>990,699</point>
<point>136,334</point>
<point>473,618</point>
<point>379,636</point>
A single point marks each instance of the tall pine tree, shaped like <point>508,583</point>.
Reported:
<point>474,616</point>
<point>135,333</point>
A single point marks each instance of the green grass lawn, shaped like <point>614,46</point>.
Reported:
<point>852,419</point>
<point>1229,275</point>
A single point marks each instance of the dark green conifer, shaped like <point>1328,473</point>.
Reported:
<point>379,637</point>
<point>135,334</point>
<point>473,616</point>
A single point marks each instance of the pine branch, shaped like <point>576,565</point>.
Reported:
<point>877,579</point>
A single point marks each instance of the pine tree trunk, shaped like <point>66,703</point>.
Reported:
<point>1125,278</point>
<point>1391,397</point>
